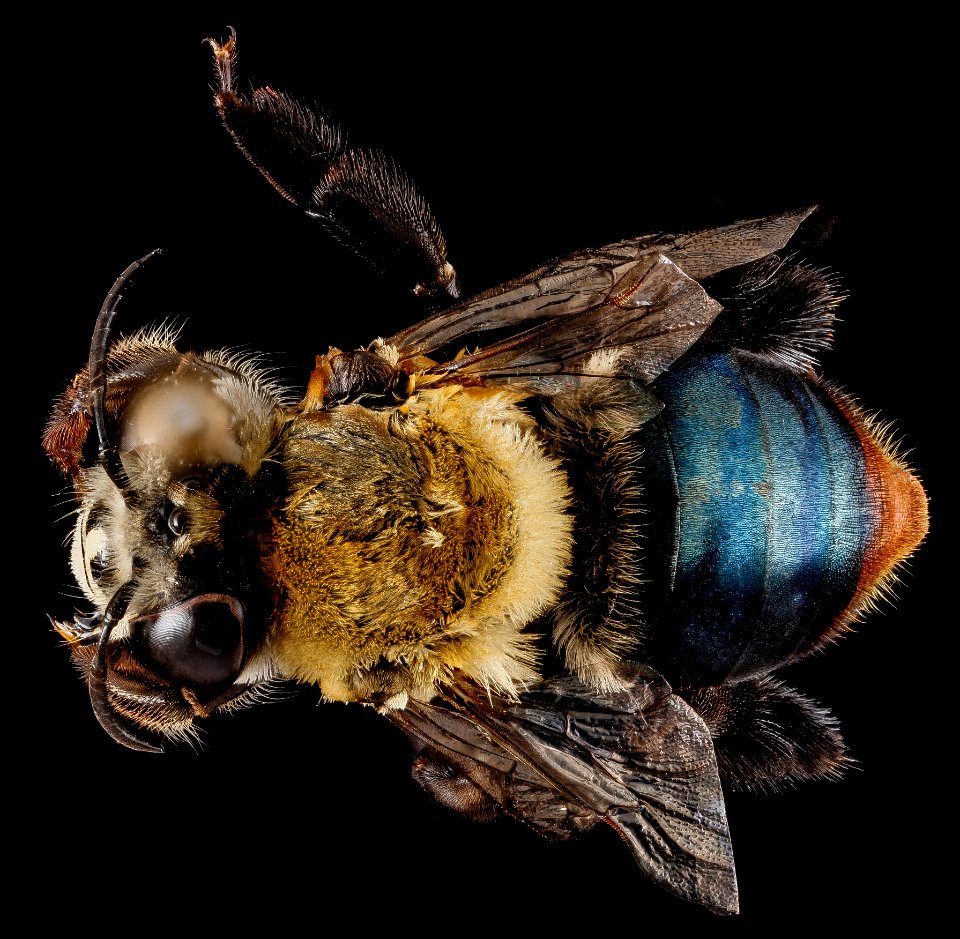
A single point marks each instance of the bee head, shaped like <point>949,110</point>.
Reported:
<point>169,455</point>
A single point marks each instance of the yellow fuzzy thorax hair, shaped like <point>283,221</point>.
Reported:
<point>416,542</point>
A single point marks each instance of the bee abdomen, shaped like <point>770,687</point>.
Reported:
<point>900,512</point>
<point>776,513</point>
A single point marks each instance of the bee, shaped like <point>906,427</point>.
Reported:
<point>563,533</point>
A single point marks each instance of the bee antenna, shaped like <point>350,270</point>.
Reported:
<point>97,676</point>
<point>108,455</point>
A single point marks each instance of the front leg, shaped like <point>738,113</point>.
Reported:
<point>360,196</point>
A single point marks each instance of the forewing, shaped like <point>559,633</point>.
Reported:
<point>640,297</point>
<point>563,757</point>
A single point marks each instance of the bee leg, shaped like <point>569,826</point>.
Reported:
<point>360,196</point>
<point>453,789</point>
<point>766,735</point>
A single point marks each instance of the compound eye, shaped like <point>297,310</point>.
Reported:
<point>99,565</point>
<point>98,550</point>
<point>198,643</point>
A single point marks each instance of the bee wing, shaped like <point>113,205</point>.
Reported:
<point>641,298</point>
<point>564,757</point>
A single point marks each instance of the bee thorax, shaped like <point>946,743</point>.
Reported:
<point>415,543</point>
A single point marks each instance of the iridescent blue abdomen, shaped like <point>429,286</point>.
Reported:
<point>758,517</point>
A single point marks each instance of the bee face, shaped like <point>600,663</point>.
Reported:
<point>176,536</point>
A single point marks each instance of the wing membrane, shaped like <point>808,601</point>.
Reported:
<point>641,297</point>
<point>562,758</point>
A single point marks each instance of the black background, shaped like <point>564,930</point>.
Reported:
<point>529,143</point>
